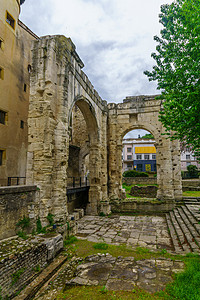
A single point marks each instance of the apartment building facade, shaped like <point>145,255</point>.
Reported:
<point>15,68</point>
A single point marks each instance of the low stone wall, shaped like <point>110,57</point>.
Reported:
<point>15,203</point>
<point>21,261</point>
<point>143,207</point>
<point>139,180</point>
<point>191,183</point>
<point>149,191</point>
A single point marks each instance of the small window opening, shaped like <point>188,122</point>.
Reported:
<point>2,156</point>
<point>1,73</point>
<point>24,87</point>
<point>3,117</point>
<point>29,68</point>
<point>22,124</point>
<point>1,44</point>
<point>10,20</point>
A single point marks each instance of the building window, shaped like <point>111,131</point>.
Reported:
<point>1,73</point>
<point>3,117</point>
<point>24,87</point>
<point>22,124</point>
<point>139,156</point>
<point>146,156</point>
<point>129,166</point>
<point>153,156</point>
<point>10,20</point>
<point>129,157</point>
<point>139,167</point>
<point>187,156</point>
<point>2,156</point>
<point>129,149</point>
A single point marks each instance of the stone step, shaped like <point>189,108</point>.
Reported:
<point>192,219</point>
<point>195,211</point>
<point>175,241</point>
<point>180,234</point>
<point>189,230</point>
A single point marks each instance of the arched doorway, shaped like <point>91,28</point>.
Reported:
<point>86,155</point>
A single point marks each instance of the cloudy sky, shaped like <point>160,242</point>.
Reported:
<point>114,38</point>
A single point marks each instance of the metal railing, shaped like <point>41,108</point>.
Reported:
<point>16,181</point>
<point>77,182</point>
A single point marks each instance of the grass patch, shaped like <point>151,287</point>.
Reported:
<point>102,246</point>
<point>191,193</point>
<point>187,284</point>
<point>101,293</point>
<point>70,240</point>
<point>83,248</point>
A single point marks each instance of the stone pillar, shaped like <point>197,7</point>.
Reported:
<point>47,123</point>
<point>95,193</point>
<point>164,171</point>
<point>176,167</point>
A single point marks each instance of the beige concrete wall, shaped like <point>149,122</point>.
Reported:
<point>15,55</point>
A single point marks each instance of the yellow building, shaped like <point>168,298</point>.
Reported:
<point>15,68</point>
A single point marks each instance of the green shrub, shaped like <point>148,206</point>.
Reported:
<point>133,173</point>
<point>23,223</point>
<point>192,171</point>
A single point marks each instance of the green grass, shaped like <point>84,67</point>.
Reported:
<point>191,193</point>
<point>128,189</point>
<point>102,246</point>
<point>101,293</point>
<point>186,285</point>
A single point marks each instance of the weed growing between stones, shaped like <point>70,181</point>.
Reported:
<point>23,223</point>
<point>22,235</point>
<point>50,218</point>
<point>16,276</point>
<point>39,227</point>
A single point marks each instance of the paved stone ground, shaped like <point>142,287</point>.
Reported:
<point>136,231</point>
<point>119,273</point>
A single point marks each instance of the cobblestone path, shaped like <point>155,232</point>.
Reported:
<point>136,231</point>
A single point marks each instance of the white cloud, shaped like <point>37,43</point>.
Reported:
<point>114,38</point>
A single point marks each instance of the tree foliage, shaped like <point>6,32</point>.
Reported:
<point>148,136</point>
<point>177,71</point>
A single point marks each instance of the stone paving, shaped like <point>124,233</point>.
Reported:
<point>135,231</point>
<point>118,273</point>
<point>121,273</point>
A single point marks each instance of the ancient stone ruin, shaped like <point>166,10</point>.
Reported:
<point>68,121</point>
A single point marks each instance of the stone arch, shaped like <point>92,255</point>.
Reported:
<point>90,118</point>
<point>143,112</point>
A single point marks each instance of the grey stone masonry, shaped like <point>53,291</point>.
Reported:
<point>184,227</point>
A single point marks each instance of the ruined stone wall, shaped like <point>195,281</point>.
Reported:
<point>142,112</point>
<point>79,128</point>
<point>19,269</point>
<point>73,162</point>
<point>52,98</point>
<point>15,203</point>
<point>22,260</point>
